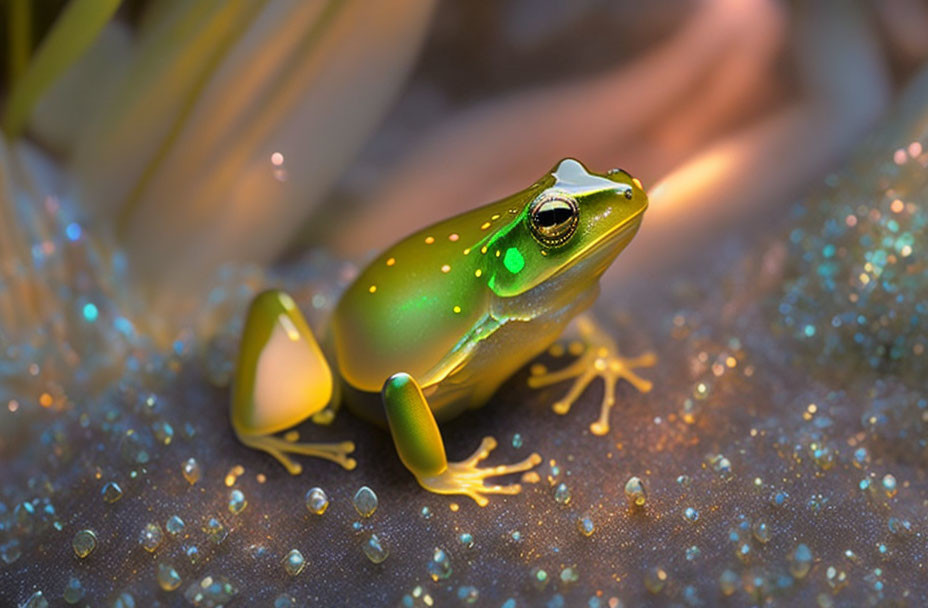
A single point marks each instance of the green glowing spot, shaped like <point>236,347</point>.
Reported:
<point>514,261</point>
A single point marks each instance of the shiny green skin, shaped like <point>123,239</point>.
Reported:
<point>463,304</point>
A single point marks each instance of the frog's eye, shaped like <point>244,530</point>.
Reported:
<point>554,218</point>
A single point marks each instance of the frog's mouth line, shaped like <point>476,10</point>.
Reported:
<point>612,243</point>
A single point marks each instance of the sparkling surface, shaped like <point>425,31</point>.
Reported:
<point>788,411</point>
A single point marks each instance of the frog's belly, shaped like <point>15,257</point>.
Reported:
<point>491,362</point>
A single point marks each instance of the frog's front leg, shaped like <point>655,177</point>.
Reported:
<point>601,359</point>
<point>421,449</point>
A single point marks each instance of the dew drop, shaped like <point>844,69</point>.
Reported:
<point>237,502</point>
<point>655,579</point>
<point>73,591</point>
<point>294,562</point>
<point>168,578</point>
<point>150,537</point>
<point>365,501</point>
<point>800,561</point>
<point>562,494</point>
<point>439,567</point>
<point>691,515</point>
<point>761,531</point>
<point>374,550</point>
<point>84,542</point>
<point>317,501</point>
<point>111,492</point>
<point>191,471</point>
<point>174,525</point>
<point>635,492</point>
<point>468,594</point>
<point>215,531</point>
<point>586,526</point>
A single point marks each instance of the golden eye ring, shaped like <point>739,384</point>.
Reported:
<point>553,218</point>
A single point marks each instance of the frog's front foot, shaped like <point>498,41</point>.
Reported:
<point>421,449</point>
<point>601,359</point>
<point>467,478</point>
<point>279,448</point>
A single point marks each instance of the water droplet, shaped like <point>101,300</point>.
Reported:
<point>150,537</point>
<point>899,527</point>
<point>761,531</point>
<point>163,431</point>
<point>635,492</point>
<point>285,600</point>
<point>824,457</point>
<point>294,562</point>
<point>861,458</point>
<point>691,515</point>
<point>425,513</point>
<point>467,540</point>
<point>215,531</point>
<point>374,550</point>
<point>539,578</point>
<point>517,441</point>
<point>778,499</point>
<point>365,501</point>
<point>174,525</point>
<point>693,553</point>
<point>111,492</point>
<point>569,575</point>
<point>439,567</point>
<point>690,411</point>
<point>124,600</point>
<point>237,502</point>
<point>728,582</point>
<point>36,600</point>
<point>836,578</point>
<point>655,579</point>
<point>11,551</point>
<point>317,501</point>
<point>191,470</point>
<point>168,578</point>
<point>468,594</point>
<point>800,561</point>
<point>562,494</point>
<point>84,542</point>
<point>73,591</point>
<point>684,481</point>
<point>586,526</point>
<point>210,592</point>
<point>192,553</point>
<point>889,485</point>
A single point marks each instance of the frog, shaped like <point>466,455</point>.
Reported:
<point>436,323</point>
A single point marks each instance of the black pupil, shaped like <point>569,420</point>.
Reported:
<point>553,213</point>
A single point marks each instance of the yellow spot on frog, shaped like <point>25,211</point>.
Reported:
<point>453,236</point>
<point>495,217</point>
<point>478,272</point>
<point>456,309</point>
<point>484,225</point>
<point>637,182</point>
<point>446,269</point>
<point>372,288</point>
<point>467,251</point>
<point>483,249</point>
<point>429,240</point>
<point>391,261</point>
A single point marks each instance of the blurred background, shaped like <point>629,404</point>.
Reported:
<point>189,135</point>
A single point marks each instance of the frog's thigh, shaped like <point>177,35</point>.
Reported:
<point>419,445</point>
<point>281,379</point>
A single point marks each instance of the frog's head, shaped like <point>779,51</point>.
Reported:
<point>569,227</point>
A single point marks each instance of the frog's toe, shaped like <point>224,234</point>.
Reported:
<point>601,359</point>
<point>466,478</point>
<point>280,448</point>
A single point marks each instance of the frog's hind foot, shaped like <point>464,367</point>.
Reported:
<point>466,477</point>
<point>601,359</point>
<point>279,448</point>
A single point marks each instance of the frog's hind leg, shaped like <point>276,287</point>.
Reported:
<point>279,448</point>
<point>601,359</point>
<point>421,449</point>
<point>282,378</point>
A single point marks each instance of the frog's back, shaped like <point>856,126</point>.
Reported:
<point>413,307</point>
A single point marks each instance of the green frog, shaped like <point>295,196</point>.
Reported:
<point>435,324</point>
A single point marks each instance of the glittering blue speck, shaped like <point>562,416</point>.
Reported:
<point>90,311</point>
<point>73,231</point>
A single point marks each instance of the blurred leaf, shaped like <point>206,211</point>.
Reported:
<point>74,31</point>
